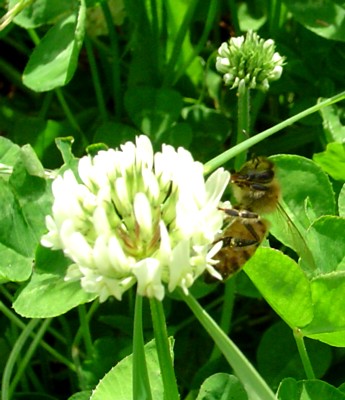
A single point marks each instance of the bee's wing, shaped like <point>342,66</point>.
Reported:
<point>288,230</point>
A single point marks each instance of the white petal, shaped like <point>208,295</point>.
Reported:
<point>148,274</point>
<point>143,215</point>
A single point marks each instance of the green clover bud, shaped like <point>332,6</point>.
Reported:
<point>249,61</point>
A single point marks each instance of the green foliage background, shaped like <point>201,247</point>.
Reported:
<point>67,71</point>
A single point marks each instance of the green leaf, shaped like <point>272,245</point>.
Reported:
<point>114,133</point>
<point>314,389</point>
<point>117,383</point>
<point>210,129</point>
<point>328,297</point>
<point>325,18</point>
<point>15,230</point>
<point>41,12</point>
<point>251,15</point>
<point>306,195</point>
<point>54,60</point>
<point>14,267</point>
<point>222,386</point>
<point>326,239</point>
<point>37,131</point>
<point>333,128</point>
<point>278,357</point>
<point>180,134</point>
<point>341,202</point>
<point>105,351</point>
<point>283,284</point>
<point>332,160</point>
<point>153,110</point>
<point>301,179</point>
<point>9,152</point>
<point>47,294</point>
<point>84,395</point>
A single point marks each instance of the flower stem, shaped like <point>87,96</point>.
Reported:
<point>308,368</point>
<point>13,358</point>
<point>141,383</point>
<point>243,120</point>
<point>256,387</point>
<point>163,350</point>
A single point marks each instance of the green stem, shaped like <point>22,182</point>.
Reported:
<point>226,317</point>
<point>85,329</point>
<point>256,387</point>
<point>234,17</point>
<point>243,121</point>
<point>12,359</point>
<point>55,354</point>
<point>96,79</point>
<point>163,350</point>
<point>67,111</point>
<point>28,355</point>
<point>141,383</point>
<point>221,159</point>
<point>308,368</point>
<point>115,57</point>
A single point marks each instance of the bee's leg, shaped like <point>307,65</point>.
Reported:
<point>249,218</point>
<point>230,241</point>
<point>236,213</point>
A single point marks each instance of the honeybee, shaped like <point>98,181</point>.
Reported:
<point>257,192</point>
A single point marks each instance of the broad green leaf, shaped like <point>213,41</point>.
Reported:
<point>290,389</point>
<point>210,129</point>
<point>328,297</point>
<point>25,200</point>
<point>325,18</point>
<point>306,195</point>
<point>84,395</point>
<point>15,230</point>
<point>106,351</point>
<point>47,294</point>
<point>153,110</point>
<point>251,15</point>
<point>41,12</point>
<point>14,267</point>
<point>278,357</point>
<point>333,128</point>
<point>326,240</point>
<point>117,383</point>
<point>180,134</point>
<point>54,60</point>
<point>9,152</point>
<point>341,202</point>
<point>332,160</point>
<point>222,386</point>
<point>301,179</point>
<point>114,133</point>
<point>37,131</point>
<point>283,284</point>
<point>32,191</point>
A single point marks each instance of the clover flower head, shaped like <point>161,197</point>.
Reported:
<point>249,61</point>
<point>135,216</point>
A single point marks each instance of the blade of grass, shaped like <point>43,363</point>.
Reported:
<point>227,155</point>
<point>256,387</point>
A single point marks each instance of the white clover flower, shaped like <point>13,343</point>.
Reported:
<point>132,216</point>
<point>249,61</point>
